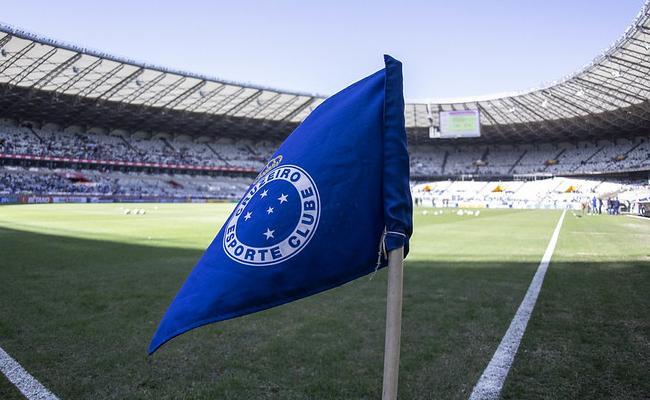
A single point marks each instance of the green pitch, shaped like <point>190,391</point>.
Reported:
<point>82,288</point>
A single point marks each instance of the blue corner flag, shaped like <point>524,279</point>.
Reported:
<point>315,217</point>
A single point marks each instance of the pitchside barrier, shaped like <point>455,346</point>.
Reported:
<point>43,199</point>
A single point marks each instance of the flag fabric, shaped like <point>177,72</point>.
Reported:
<point>335,191</point>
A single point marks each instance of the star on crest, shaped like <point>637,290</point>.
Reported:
<point>282,198</point>
<point>248,216</point>
<point>268,233</point>
<point>269,211</point>
<point>264,193</point>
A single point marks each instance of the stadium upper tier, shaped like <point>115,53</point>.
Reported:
<point>46,80</point>
<point>50,146</point>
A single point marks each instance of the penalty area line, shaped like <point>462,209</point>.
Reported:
<point>491,381</point>
<point>26,383</point>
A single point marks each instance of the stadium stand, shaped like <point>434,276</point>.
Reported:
<point>556,192</point>
<point>139,147</point>
<point>448,161</point>
<point>122,185</point>
<point>504,160</point>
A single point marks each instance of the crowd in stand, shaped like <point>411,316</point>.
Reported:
<point>15,180</point>
<point>434,159</point>
<point>439,159</point>
<point>11,183</point>
<point>160,149</point>
<point>502,160</point>
<point>589,195</point>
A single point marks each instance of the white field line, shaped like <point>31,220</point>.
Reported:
<point>27,384</point>
<point>491,381</point>
<point>639,217</point>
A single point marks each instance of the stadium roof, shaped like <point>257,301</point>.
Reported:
<point>43,79</point>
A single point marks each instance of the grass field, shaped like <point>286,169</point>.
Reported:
<point>84,286</point>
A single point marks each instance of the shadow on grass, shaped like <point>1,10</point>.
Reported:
<point>79,314</point>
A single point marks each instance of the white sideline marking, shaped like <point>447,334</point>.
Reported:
<point>491,382</point>
<point>27,384</point>
<point>639,217</point>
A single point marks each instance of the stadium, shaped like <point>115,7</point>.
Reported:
<point>115,175</point>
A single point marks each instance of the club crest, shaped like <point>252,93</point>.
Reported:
<point>275,219</point>
<point>274,162</point>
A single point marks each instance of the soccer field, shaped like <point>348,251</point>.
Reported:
<point>83,288</point>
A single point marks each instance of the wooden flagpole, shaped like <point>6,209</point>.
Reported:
<point>393,324</point>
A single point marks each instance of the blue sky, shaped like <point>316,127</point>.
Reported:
<point>450,49</point>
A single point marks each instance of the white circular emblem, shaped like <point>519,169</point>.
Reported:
<point>275,219</point>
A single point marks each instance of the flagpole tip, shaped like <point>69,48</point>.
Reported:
<point>388,60</point>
